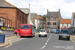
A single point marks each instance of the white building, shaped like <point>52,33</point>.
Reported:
<point>65,24</point>
<point>73,19</point>
<point>37,23</point>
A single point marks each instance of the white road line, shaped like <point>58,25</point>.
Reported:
<point>46,42</point>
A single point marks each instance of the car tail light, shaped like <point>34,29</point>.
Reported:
<point>39,32</point>
<point>45,32</point>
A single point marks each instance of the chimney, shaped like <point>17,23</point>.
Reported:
<point>59,10</point>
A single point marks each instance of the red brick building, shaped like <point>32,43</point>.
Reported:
<point>12,15</point>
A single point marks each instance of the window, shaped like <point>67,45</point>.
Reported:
<point>42,31</point>
<point>54,19</point>
<point>25,26</point>
<point>67,25</point>
<point>23,20</point>
<point>62,25</point>
<point>64,31</point>
<point>48,23</point>
<point>17,13</point>
<point>48,19</point>
<point>20,18</point>
<point>54,23</point>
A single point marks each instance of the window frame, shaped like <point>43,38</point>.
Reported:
<point>54,23</point>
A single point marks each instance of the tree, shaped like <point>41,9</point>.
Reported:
<point>44,17</point>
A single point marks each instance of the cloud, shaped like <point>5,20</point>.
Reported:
<point>40,6</point>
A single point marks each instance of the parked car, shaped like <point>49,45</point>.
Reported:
<point>57,31</point>
<point>52,31</point>
<point>42,32</point>
<point>64,34</point>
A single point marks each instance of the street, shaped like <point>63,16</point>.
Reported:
<point>50,42</point>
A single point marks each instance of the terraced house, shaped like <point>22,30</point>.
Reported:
<point>53,20</point>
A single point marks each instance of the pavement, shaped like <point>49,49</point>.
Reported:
<point>7,41</point>
<point>10,40</point>
<point>72,37</point>
<point>50,42</point>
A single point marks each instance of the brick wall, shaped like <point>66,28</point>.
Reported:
<point>10,16</point>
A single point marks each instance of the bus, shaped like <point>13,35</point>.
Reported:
<point>26,30</point>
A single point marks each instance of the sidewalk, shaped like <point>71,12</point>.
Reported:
<point>72,37</point>
<point>7,41</point>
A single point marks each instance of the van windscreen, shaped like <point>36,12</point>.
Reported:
<point>25,26</point>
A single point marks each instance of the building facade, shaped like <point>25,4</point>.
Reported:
<point>73,19</point>
<point>41,22</point>
<point>53,20</point>
<point>11,15</point>
<point>65,24</point>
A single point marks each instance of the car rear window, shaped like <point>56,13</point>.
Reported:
<point>64,31</point>
<point>42,31</point>
<point>25,26</point>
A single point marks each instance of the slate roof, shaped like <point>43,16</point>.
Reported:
<point>66,21</point>
<point>25,10</point>
<point>4,3</point>
<point>52,14</point>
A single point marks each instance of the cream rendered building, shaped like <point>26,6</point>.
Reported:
<point>65,24</point>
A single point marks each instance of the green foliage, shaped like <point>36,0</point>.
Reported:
<point>44,17</point>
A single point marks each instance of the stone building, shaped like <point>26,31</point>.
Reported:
<point>53,20</point>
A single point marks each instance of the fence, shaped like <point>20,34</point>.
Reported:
<point>8,33</point>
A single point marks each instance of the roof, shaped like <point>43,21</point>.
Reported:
<point>25,10</point>
<point>52,14</point>
<point>68,21</point>
<point>40,17</point>
<point>4,3</point>
<point>36,18</point>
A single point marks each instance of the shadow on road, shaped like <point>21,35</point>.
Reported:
<point>65,40</point>
<point>26,37</point>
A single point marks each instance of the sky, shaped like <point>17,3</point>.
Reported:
<point>67,7</point>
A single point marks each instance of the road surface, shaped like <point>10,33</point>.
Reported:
<point>42,43</point>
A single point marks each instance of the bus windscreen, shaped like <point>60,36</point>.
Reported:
<point>25,26</point>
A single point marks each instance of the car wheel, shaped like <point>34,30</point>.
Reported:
<point>59,38</point>
<point>69,39</point>
<point>45,35</point>
<point>39,35</point>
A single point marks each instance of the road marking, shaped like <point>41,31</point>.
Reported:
<point>46,42</point>
<point>9,44</point>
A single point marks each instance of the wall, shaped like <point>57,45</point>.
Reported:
<point>11,14</point>
<point>65,25</point>
<point>8,13</point>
